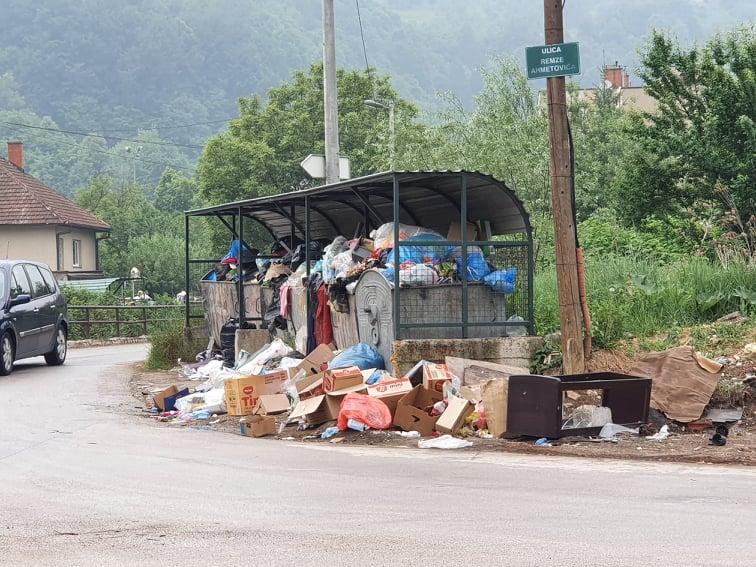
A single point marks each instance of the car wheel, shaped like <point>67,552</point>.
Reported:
<point>57,355</point>
<point>7,354</point>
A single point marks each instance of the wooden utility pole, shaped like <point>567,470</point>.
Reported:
<point>330,97</point>
<point>561,197</point>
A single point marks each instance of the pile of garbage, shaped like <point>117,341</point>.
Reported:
<point>276,388</point>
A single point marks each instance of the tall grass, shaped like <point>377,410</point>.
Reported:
<point>169,342</point>
<point>632,297</point>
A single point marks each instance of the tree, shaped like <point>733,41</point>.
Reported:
<point>700,145</point>
<point>174,192</point>
<point>260,152</point>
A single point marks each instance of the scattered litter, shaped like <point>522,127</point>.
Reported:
<point>444,442</point>
<point>356,425</point>
<point>329,432</point>
<point>716,415</point>
<point>408,434</point>
<point>543,442</point>
<point>610,430</point>
<point>718,440</point>
<point>661,435</point>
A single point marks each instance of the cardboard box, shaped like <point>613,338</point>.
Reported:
<point>340,378</point>
<point>257,425</point>
<point>455,231</point>
<point>316,361</point>
<point>272,404</point>
<point>495,397</point>
<point>314,411</point>
<point>310,387</point>
<point>159,396</point>
<point>276,270</point>
<point>390,391</point>
<point>415,374</point>
<point>412,411</point>
<point>242,392</point>
<point>434,376</point>
<point>451,420</point>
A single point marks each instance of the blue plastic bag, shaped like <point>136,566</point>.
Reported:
<point>361,355</point>
<point>502,281</point>
<point>421,254</point>
<point>477,267</point>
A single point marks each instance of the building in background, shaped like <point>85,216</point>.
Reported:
<point>39,224</point>
<point>628,97</point>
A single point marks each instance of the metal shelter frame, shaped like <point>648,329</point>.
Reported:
<point>354,207</point>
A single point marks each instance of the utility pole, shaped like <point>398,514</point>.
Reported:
<point>562,197</point>
<point>330,96</point>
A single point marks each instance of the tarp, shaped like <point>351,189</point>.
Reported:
<point>683,381</point>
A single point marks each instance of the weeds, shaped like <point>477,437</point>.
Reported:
<point>630,297</point>
<point>170,342</point>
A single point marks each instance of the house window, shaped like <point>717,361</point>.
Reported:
<point>60,254</point>
<point>76,253</point>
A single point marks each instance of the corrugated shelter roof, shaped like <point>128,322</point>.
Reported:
<point>26,200</point>
<point>430,199</point>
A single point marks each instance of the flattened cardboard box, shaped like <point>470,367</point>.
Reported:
<point>434,376</point>
<point>311,386</point>
<point>390,391</point>
<point>257,425</point>
<point>272,404</point>
<point>242,392</point>
<point>340,378</point>
<point>454,416</point>
<point>412,411</point>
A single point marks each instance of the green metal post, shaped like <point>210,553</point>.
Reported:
<point>186,269</point>
<point>463,225</point>
<point>395,304</point>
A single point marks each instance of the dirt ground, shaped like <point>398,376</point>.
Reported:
<point>682,445</point>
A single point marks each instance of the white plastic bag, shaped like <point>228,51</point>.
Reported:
<point>661,435</point>
<point>383,236</point>
<point>342,263</point>
<point>611,429</point>
<point>277,348</point>
<point>212,401</point>
<point>444,442</point>
<point>419,274</point>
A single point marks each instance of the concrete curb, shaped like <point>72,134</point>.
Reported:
<point>88,343</point>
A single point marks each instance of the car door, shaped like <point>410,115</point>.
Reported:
<point>43,306</point>
<point>23,316</point>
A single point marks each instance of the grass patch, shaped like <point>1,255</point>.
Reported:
<point>631,298</point>
<point>170,342</point>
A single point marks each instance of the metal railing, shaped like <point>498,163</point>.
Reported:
<point>108,321</point>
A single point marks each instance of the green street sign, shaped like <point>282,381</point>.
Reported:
<point>555,60</point>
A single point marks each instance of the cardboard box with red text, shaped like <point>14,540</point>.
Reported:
<point>390,391</point>
<point>340,378</point>
<point>434,376</point>
<point>242,392</point>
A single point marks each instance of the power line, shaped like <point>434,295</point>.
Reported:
<point>141,159</point>
<point>169,127</point>
<point>362,35</point>
<point>88,134</point>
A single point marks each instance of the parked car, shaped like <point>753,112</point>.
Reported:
<point>33,315</point>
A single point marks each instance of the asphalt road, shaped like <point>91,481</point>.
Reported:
<point>84,483</point>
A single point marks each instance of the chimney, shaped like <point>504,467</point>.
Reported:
<point>616,76</point>
<point>16,154</point>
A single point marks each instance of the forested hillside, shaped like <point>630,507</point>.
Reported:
<point>172,70</point>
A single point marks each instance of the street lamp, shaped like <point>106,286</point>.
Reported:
<point>392,132</point>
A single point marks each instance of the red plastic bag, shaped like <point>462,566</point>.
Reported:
<point>370,411</point>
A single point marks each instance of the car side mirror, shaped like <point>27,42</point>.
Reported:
<point>20,299</point>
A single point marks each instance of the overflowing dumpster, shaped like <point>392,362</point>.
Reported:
<point>390,256</point>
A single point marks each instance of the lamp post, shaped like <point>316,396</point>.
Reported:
<point>392,130</point>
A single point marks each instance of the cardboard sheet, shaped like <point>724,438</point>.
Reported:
<point>457,366</point>
<point>681,386</point>
<point>494,393</point>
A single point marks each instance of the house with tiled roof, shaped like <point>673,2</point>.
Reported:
<point>39,224</point>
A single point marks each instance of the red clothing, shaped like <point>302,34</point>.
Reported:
<point>323,327</point>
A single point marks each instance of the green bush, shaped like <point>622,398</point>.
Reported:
<point>661,240</point>
<point>630,297</point>
<point>169,343</point>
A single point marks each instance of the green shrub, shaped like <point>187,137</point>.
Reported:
<point>169,342</point>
